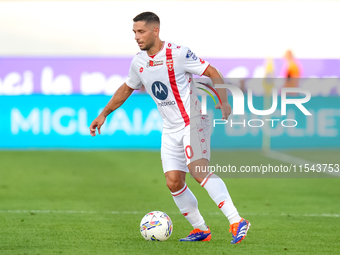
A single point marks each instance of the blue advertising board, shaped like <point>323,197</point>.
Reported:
<point>321,129</point>
<point>39,121</point>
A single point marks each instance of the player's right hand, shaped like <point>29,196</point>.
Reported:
<point>97,123</point>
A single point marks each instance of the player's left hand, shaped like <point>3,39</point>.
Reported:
<point>225,108</point>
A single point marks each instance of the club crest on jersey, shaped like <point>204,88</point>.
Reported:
<point>154,63</point>
<point>170,64</point>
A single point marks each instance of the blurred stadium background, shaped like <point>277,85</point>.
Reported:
<point>61,61</point>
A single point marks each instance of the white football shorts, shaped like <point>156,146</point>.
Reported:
<point>186,145</point>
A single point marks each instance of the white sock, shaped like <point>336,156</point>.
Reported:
<point>218,191</point>
<point>188,206</point>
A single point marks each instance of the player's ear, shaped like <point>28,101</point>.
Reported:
<point>156,31</point>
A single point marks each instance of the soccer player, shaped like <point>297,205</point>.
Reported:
<point>165,70</point>
<point>291,70</point>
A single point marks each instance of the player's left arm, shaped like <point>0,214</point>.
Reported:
<point>217,78</point>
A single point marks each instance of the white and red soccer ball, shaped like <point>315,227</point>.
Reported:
<point>156,226</point>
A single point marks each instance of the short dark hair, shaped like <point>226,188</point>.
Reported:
<point>148,17</point>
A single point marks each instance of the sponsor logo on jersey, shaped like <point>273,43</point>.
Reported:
<point>166,103</point>
<point>141,70</point>
<point>189,54</point>
<point>192,55</point>
<point>202,61</point>
<point>170,64</point>
<point>154,63</point>
<point>159,90</point>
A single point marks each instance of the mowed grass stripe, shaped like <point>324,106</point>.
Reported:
<point>104,195</point>
<point>172,213</point>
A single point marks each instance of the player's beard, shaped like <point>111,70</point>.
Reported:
<point>146,47</point>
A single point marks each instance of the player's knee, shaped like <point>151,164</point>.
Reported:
<point>174,184</point>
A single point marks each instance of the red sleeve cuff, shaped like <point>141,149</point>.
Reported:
<point>205,69</point>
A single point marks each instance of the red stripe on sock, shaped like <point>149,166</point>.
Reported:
<point>206,179</point>
<point>180,192</point>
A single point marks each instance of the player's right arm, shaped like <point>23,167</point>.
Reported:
<point>115,102</point>
<point>132,82</point>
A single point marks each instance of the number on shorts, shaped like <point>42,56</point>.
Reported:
<point>190,151</point>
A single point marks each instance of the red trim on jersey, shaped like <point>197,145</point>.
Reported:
<point>206,179</point>
<point>174,88</point>
<point>158,51</point>
<point>181,191</point>
<point>205,70</point>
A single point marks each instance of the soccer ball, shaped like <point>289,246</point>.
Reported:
<point>156,226</point>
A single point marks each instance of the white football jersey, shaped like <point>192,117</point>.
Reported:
<point>167,77</point>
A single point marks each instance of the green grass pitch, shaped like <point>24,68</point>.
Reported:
<point>91,202</point>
